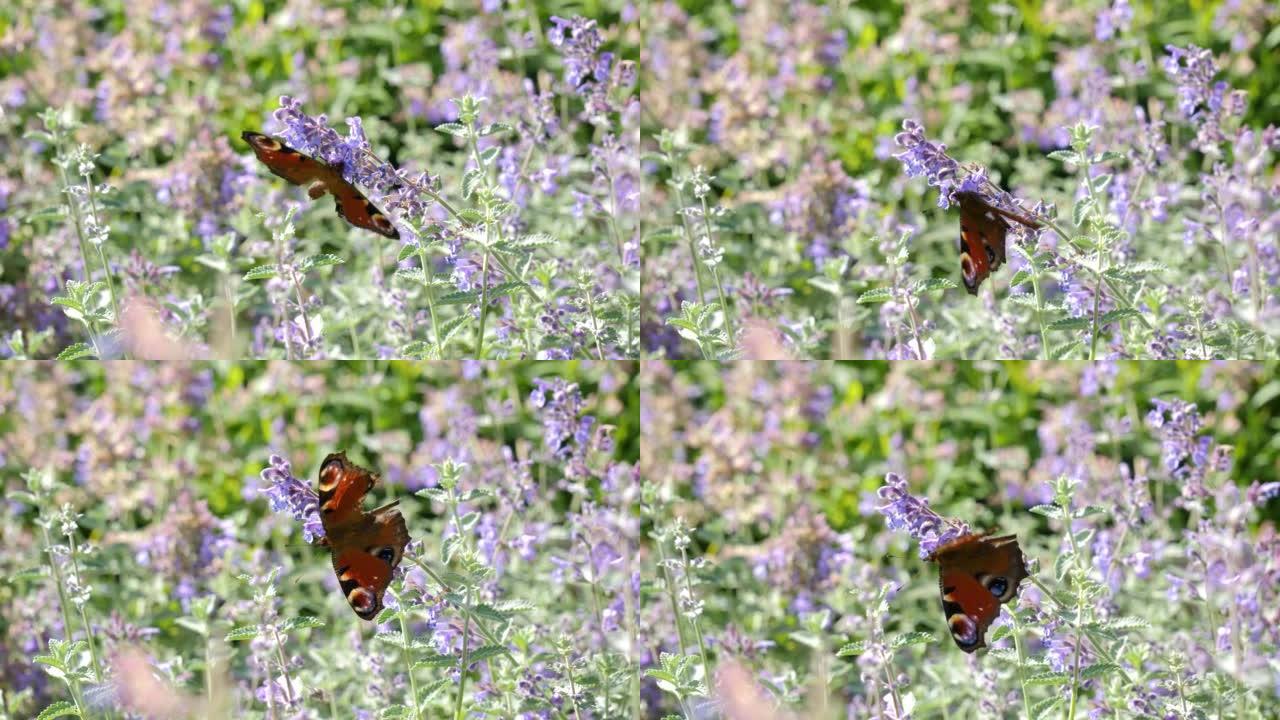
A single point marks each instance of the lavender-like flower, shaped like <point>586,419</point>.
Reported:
<point>290,495</point>
<point>922,158</point>
<point>905,511</point>
<point>403,194</point>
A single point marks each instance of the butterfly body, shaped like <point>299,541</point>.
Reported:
<point>365,547</point>
<point>320,178</point>
<point>983,228</point>
<point>976,575</point>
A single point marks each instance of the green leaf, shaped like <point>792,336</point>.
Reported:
<point>1070,323</point>
<point>406,252</point>
<point>394,712</point>
<point>459,297</point>
<point>483,653</point>
<point>244,632</point>
<point>1057,352</point>
<point>60,708</point>
<point>934,283</point>
<point>412,274</point>
<point>417,350</point>
<point>48,213</point>
<point>77,351</point>
<point>320,260</point>
<point>496,127</point>
<point>450,328</point>
<point>875,296</point>
<point>454,129</point>
<point>536,240</point>
<point>386,616</point>
<point>910,638</point>
<point>1099,670</point>
<point>262,272</point>
<point>1019,277</point>
<point>301,622</point>
<point>1115,315</point>
<point>1081,211</point>
<point>436,661</point>
<point>1045,707</point>
<point>826,285</point>
<point>853,648</point>
<point>1049,511</point>
<point>1049,678</point>
<point>1064,156</point>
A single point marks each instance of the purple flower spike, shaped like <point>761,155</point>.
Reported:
<point>923,158</point>
<point>288,494</point>
<point>905,511</point>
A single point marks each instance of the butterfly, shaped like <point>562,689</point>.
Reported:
<point>982,230</point>
<point>366,546</point>
<point>323,178</point>
<point>977,574</point>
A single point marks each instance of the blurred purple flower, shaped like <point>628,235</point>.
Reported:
<point>905,511</point>
<point>922,158</point>
<point>288,494</point>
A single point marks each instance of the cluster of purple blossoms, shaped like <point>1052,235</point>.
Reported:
<point>1117,17</point>
<point>188,546</point>
<point>1201,100</point>
<point>905,511</point>
<point>559,404</point>
<point>352,154</point>
<point>1187,456</point>
<point>288,494</point>
<point>579,42</point>
<point>922,158</point>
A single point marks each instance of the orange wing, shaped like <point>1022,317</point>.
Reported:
<point>365,558</point>
<point>982,235</point>
<point>320,178</point>
<point>365,547</point>
<point>977,574</point>
<point>343,485</point>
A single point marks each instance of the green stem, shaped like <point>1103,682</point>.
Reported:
<point>715,274</point>
<point>484,298</point>
<point>466,649</point>
<point>693,247</point>
<point>697,628</point>
<point>406,639</point>
<point>84,619</point>
<point>1022,663</point>
<point>106,269</point>
<point>431,296</point>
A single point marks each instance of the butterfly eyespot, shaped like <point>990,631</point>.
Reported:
<point>385,554</point>
<point>963,629</point>
<point>966,266</point>
<point>991,254</point>
<point>997,585</point>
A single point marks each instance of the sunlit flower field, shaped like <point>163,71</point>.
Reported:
<point>155,540</point>
<point>803,160</point>
<point>786,508</point>
<point>499,140</point>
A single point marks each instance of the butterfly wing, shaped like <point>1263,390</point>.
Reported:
<point>365,559</point>
<point>321,178</point>
<point>982,236</point>
<point>977,574</point>
<point>356,209</point>
<point>366,547</point>
<point>284,161</point>
<point>343,485</point>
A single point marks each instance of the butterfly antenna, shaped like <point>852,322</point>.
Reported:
<point>1023,219</point>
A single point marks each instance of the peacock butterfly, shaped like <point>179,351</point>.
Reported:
<point>322,178</point>
<point>977,574</point>
<point>366,546</point>
<point>982,232</point>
